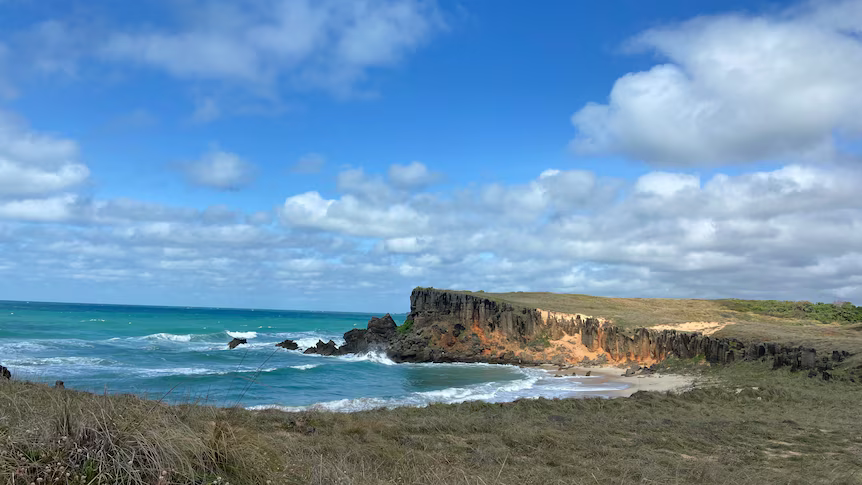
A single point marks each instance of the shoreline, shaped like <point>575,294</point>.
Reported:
<point>656,382</point>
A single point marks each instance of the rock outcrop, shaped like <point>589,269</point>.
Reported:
<point>236,342</point>
<point>381,332</point>
<point>448,326</point>
<point>323,348</point>
<point>288,345</point>
<point>4,373</point>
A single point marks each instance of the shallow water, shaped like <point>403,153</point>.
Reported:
<point>181,354</point>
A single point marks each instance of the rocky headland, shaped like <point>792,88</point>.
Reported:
<point>451,326</point>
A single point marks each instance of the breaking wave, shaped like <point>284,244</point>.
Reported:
<point>534,385</point>
<point>246,335</point>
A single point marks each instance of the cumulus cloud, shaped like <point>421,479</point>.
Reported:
<point>412,176</point>
<point>352,216</point>
<point>35,164</point>
<point>220,170</point>
<point>792,232</point>
<point>735,89</point>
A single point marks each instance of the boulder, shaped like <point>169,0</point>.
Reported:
<point>236,342</point>
<point>59,385</point>
<point>288,345</point>
<point>381,333</point>
<point>355,342</point>
<point>4,373</point>
<point>381,330</point>
<point>327,348</point>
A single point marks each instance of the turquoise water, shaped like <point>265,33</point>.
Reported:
<point>181,354</point>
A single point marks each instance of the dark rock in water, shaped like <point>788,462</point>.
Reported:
<point>288,345</point>
<point>380,332</point>
<point>59,385</point>
<point>328,348</point>
<point>4,373</point>
<point>236,342</point>
<point>355,342</point>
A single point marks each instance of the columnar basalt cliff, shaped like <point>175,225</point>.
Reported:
<point>448,326</point>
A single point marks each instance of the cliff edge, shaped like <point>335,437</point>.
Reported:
<point>453,326</point>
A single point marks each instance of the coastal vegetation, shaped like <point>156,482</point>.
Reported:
<point>647,312</point>
<point>405,327</point>
<point>745,423</point>
<point>836,312</point>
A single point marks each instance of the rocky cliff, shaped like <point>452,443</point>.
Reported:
<point>448,326</point>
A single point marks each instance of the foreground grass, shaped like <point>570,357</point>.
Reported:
<point>749,425</point>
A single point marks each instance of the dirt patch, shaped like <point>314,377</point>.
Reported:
<point>706,328</point>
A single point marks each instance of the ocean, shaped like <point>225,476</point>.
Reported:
<point>180,355</point>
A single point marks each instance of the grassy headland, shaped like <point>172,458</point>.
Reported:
<point>747,424</point>
<point>823,326</point>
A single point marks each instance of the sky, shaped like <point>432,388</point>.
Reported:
<point>329,155</point>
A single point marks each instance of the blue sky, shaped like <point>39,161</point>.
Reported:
<point>332,155</point>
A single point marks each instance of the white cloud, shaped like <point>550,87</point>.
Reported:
<point>364,186</point>
<point>352,216</point>
<point>736,89</point>
<point>220,170</point>
<point>34,164</point>
<point>793,232</point>
<point>327,44</point>
<point>664,184</point>
<point>53,209</point>
<point>405,244</point>
<point>414,175</point>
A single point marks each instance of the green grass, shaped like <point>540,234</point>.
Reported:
<point>748,424</point>
<point>838,312</point>
<point>405,327</point>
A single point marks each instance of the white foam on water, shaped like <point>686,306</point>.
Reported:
<point>24,346</point>
<point>246,335</point>
<point>304,367</point>
<point>197,371</point>
<point>169,336</point>
<point>76,361</point>
<point>376,357</point>
<point>535,384</point>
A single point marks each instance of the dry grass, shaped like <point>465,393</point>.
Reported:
<point>60,436</point>
<point>752,425</point>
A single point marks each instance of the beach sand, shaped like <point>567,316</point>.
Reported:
<point>653,382</point>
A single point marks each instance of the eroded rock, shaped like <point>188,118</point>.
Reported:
<point>236,342</point>
<point>323,348</point>
<point>288,345</point>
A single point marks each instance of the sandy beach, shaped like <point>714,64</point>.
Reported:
<point>652,382</point>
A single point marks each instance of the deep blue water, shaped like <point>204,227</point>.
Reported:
<point>181,354</point>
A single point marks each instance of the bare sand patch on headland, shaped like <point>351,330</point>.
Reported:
<point>706,328</point>
<point>653,382</point>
